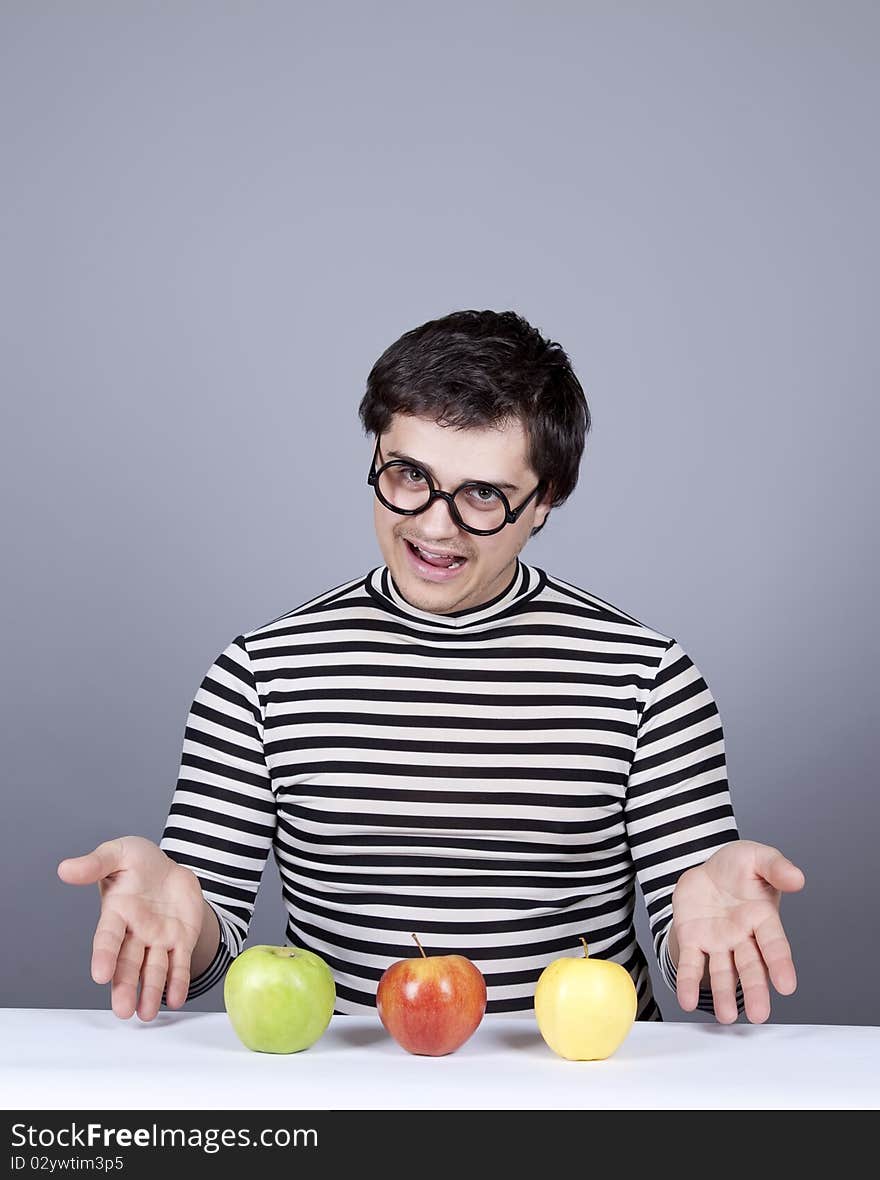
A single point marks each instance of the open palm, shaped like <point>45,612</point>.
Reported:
<point>151,915</point>
<point>728,909</point>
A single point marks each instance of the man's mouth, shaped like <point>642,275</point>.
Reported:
<point>442,558</point>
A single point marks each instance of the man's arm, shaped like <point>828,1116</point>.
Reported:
<point>222,819</point>
<point>678,809</point>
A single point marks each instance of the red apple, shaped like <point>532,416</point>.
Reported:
<point>431,1005</point>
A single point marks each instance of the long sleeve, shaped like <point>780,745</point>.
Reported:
<point>222,818</point>
<point>678,809</point>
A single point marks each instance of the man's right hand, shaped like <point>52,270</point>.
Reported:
<point>151,917</point>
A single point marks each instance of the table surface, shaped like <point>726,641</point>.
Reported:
<point>79,1059</point>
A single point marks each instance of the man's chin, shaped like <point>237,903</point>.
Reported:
<point>434,597</point>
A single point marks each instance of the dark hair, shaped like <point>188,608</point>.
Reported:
<point>484,368</point>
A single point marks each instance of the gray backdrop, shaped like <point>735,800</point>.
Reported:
<point>215,218</point>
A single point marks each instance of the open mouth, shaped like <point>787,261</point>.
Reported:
<point>435,563</point>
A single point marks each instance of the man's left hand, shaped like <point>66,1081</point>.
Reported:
<point>728,909</point>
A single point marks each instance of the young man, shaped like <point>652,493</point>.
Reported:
<point>456,744</point>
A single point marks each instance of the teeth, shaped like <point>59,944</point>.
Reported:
<point>431,553</point>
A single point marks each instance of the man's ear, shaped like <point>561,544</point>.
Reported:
<point>543,509</point>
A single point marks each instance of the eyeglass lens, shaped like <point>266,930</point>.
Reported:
<point>406,487</point>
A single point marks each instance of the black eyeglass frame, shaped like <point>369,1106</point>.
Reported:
<point>511,515</point>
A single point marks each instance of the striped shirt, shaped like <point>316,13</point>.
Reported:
<point>495,780</point>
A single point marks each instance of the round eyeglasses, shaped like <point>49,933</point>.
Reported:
<point>478,508</point>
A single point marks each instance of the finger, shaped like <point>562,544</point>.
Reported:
<point>722,975</point>
<point>778,870</point>
<point>753,977</point>
<point>152,982</point>
<point>688,974</point>
<point>85,870</point>
<point>123,998</point>
<point>775,948</point>
<point>179,961</point>
<point>105,945</point>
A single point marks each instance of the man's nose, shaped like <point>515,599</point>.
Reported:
<point>438,518</point>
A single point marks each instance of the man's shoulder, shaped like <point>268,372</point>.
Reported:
<point>340,597</point>
<point>582,604</point>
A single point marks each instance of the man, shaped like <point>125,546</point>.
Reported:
<point>456,744</point>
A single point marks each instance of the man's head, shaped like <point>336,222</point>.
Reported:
<point>475,396</point>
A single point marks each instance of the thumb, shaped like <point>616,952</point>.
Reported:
<point>93,866</point>
<point>779,871</point>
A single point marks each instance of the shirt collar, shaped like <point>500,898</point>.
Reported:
<point>524,584</point>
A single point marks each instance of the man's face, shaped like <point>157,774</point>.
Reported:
<point>453,457</point>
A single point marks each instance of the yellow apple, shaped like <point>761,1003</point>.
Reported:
<point>585,1007</point>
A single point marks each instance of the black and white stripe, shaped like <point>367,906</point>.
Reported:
<point>495,780</point>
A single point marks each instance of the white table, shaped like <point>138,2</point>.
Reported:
<point>57,1059</point>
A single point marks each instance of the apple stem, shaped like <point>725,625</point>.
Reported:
<point>419,945</point>
<point>586,952</point>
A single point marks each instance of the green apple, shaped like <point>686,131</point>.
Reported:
<point>279,998</point>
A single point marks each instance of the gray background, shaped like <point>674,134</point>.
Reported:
<point>215,218</point>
